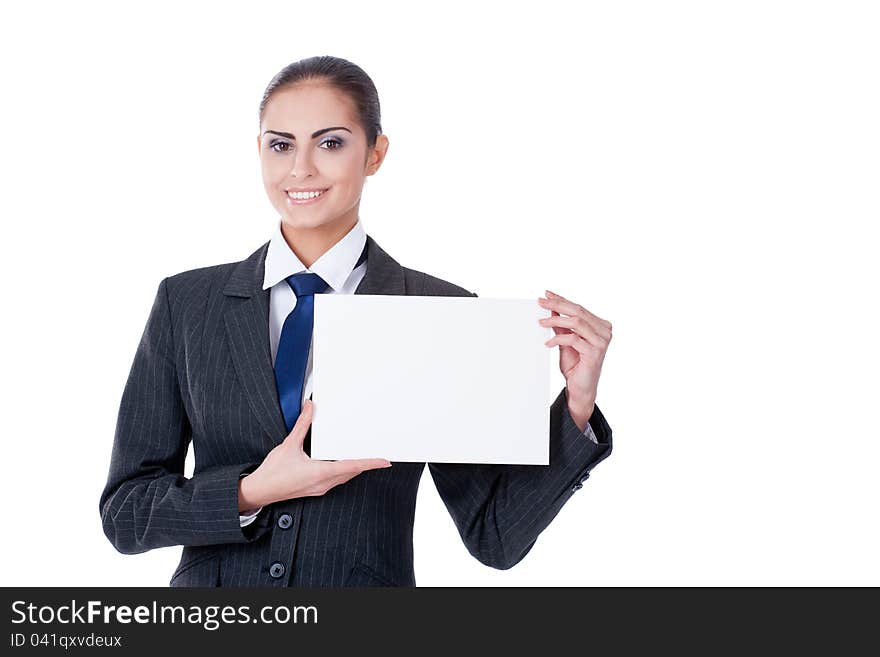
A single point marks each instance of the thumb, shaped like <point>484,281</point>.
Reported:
<point>297,435</point>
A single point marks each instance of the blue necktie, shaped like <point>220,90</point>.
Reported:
<point>293,345</point>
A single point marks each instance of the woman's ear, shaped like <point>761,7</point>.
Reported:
<point>376,155</point>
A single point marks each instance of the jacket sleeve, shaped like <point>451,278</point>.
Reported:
<point>147,502</point>
<point>499,510</point>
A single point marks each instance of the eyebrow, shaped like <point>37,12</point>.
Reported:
<point>316,133</point>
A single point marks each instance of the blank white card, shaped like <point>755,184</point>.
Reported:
<point>430,379</point>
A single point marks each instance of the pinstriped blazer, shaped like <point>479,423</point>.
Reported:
<point>202,374</point>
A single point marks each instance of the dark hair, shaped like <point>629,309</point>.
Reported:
<point>340,73</point>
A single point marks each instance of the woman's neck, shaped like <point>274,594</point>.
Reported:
<point>309,244</point>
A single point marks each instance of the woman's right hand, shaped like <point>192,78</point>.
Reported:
<point>288,472</point>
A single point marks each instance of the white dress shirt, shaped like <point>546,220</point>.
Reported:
<point>337,268</point>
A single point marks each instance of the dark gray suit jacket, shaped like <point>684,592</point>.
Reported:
<point>202,373</point>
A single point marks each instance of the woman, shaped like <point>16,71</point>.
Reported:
<point>225,362</point>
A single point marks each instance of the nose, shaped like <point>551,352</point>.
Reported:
<point>302,165</point>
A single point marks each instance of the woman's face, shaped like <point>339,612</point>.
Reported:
<point>310,140</point>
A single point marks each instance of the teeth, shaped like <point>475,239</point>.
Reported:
<point>302,196</point>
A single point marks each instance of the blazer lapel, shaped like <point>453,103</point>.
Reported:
<point>247,327</point>
<point>384,275</point>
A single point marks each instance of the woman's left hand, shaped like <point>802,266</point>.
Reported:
<point>583,340</point>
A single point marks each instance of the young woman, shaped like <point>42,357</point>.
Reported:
<point>225,363</point>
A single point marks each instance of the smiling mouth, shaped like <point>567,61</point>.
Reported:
<point>304,198</point>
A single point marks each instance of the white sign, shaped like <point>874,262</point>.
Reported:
<point>430,379</point>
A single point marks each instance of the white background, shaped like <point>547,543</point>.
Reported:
<point>702,174</point>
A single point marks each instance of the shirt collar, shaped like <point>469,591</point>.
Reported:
<point>334,266</point>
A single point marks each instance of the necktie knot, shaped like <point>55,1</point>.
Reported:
<point>307,283</point>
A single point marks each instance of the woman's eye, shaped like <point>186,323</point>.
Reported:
<point>279,143</point>
<point>336,143</point>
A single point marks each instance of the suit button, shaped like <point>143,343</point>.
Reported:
<point>276,570</point>
<point>576,487</point>
<point>285,520</point>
